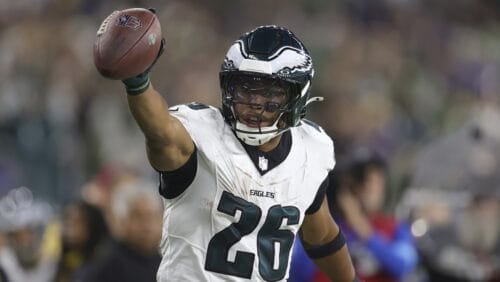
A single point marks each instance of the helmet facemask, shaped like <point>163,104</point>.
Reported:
<point>259,106</point>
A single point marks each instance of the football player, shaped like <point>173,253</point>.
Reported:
<point>241,181</point>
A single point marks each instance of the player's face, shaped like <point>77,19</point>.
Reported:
<point>258,102</point>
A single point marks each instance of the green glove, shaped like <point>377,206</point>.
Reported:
<point>137,84</point>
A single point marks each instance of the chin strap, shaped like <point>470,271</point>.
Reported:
<point>255,137</point>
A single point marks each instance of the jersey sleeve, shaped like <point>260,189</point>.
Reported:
<point>322,148</point>
<point>174,183</point>
<point>322,159</point>
<point>203,123</point>
<point>320,196</point>
<point>197,119</point>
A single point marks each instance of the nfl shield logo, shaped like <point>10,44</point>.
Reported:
<point>129,21</point>
<point>262,163</point>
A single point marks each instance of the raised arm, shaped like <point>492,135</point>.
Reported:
<point>127,46</point>
<point>168,143</point>
<point>324,244</point>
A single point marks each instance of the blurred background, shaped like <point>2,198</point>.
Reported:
<point>415,81</point>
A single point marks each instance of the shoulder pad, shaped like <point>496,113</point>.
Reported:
<point>194,110</point>
<point>318,142</point>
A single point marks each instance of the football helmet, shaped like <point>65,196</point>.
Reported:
<point>274,56</point>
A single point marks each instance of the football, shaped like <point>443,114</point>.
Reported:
<point>127,43</point>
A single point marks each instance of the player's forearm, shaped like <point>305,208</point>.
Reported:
<point>337,266</point>
<point>150,110</point>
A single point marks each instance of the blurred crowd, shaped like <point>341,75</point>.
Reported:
<point>415,81</point>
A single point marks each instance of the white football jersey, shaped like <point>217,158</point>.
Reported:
<point>232,223</point>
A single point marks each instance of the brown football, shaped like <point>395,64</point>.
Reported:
<point>127,43</point>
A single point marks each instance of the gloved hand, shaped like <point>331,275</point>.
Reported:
<point>138,84</point>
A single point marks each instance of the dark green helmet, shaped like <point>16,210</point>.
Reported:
<point>273,52</point>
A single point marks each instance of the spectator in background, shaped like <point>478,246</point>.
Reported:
<point>30,252</point>
<point>84,230</point>
<point>382,247</point>
<point>134,254</point>
<point>99,190</point>
<point>464,245</point>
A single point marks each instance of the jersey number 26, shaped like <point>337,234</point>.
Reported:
<point>273,243</point>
